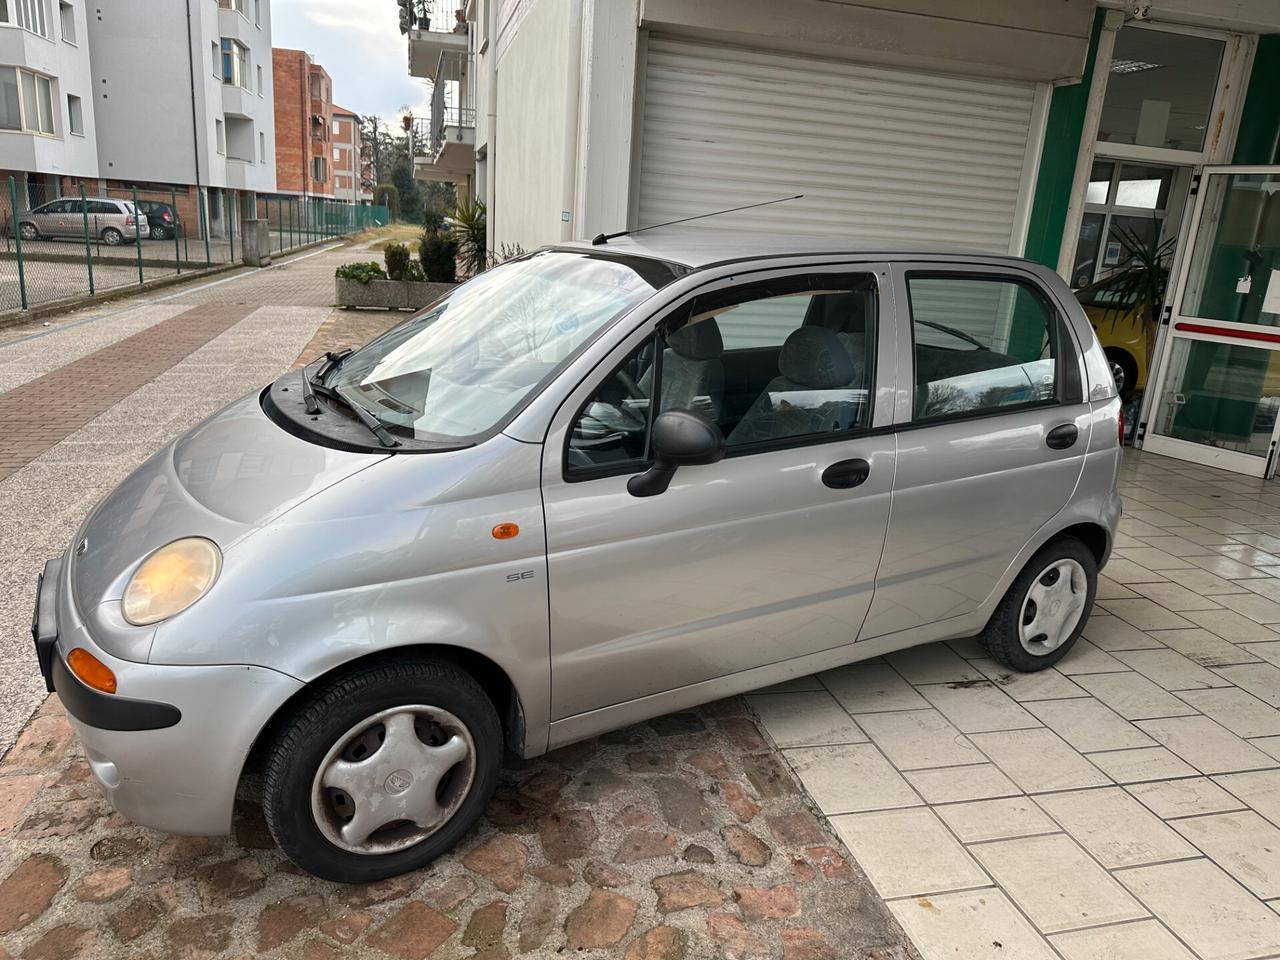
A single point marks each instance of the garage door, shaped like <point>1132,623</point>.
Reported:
<point>880,153</point>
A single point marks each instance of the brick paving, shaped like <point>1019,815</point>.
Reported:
<point>681,837</point>
<point>40,413</point>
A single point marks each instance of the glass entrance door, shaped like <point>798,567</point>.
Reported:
<point>1217,393</point>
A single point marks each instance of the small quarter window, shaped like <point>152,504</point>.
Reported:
<point>982,344</point>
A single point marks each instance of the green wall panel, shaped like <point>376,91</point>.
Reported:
<point>1058,161</point>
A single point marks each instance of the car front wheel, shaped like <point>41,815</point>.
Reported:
<point>29,231</point>
<point>382,770</point>
<point>1046,607</point>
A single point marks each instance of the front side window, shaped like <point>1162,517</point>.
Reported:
<point>781,361</point>
<point>456,371</point>
<point>982,345</point>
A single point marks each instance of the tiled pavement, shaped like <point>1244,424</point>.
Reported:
<point>1123,806</point>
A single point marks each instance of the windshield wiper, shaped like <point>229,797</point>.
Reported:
<point>331,360</point>
<point>375,425</point>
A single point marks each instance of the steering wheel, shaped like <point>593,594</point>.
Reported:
<point>629,384</point>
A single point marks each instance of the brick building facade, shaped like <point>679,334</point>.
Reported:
<point>304,124</point>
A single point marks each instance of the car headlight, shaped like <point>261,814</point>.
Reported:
<point>170,580</point>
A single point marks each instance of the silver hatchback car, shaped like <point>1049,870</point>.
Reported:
<point>590,486</point>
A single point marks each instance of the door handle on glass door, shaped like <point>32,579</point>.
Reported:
<point>846,474</point>
<point>1059,438</point>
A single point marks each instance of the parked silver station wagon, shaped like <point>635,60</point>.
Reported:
<point>590,486</point>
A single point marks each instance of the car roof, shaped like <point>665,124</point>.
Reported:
<point>703,248</point>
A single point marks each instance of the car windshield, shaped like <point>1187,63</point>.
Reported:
<point>454,372</point>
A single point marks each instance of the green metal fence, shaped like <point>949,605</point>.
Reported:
<point>61,244</point>
<point>294,222</point>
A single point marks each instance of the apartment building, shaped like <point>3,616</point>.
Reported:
<point>448,45</point>
<point>304,125</point>
<point>348,164</point>
<point>47,127</point>
<point>184,103</point>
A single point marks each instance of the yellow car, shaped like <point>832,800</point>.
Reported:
<point>1123,336</point>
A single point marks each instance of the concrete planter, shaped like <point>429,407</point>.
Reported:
<point>388,294</point>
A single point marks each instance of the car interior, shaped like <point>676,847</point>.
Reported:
<point>758,378</point>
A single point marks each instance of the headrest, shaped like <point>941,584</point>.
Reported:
<point>841,312</point>
<point>815,357</point>
<point>697,341</point>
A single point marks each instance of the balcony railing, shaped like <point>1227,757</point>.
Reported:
<point>452,104</point>
<point>440,16</point>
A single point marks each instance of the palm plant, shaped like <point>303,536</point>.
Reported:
<point>471,231</point>
<point>1138,286</point>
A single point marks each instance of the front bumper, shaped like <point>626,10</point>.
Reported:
<point>168,749</point>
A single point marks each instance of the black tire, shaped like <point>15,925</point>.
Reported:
<point>316,725</point>
<point>1001,637</point>
<point>1125,371</point>
<point>112,237</point>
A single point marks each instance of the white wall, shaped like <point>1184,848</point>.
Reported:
<point>144,83</point>
<point>533,78</point>
<point>68,64</point>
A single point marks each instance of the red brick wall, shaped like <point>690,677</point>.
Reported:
<point>298,139</point>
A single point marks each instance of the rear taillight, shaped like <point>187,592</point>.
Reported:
<point>167,218</point>
<point>1120,419</point>
<point>128,221</point>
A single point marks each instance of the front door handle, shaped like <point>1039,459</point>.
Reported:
<point>846,474</point>
<point>1059,438</point>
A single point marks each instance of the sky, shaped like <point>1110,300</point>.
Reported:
<point>360,45</point>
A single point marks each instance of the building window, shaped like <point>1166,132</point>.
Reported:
<point>75,115</point>
<point>67,14</point>
<point>337,127</point>
<point>318,169</point>
<point>1126,205</point>
<point>35,94</point>
<point>337,155</point>
<point>1161,89</point>
<point>220,136</point>
<point>216,59</point>
<point>236,5</point>
<point>261,88</point>
<point>262,147</point>
<point>32,15</point>
<point>257,12</point>
<point>235,63</point>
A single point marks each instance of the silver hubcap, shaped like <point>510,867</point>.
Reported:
<point>1052,607</point>
<point>393,779</point>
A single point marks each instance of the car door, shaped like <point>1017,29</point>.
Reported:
<point>992,432</point>
<point>47,216</point>
<point>70,220</point>
<point>742,563</point>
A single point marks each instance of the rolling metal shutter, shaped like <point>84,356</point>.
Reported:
<point>880,153</point>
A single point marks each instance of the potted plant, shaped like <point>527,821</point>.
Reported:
<point>402,285</point>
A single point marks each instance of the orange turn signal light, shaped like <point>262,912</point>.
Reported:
<point>505,531</point>
<point>91,670</point>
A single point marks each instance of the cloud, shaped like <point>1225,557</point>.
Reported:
<point>362,51</point>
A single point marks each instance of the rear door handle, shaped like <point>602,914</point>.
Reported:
<point>1059,438</point>
<point>846,474</point>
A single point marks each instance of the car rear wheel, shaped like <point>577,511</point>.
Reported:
<point>29,231</point>
<point>1046,607</point>
<point>112,237</point>
<point>1125,373</point>
<point>381,770</point>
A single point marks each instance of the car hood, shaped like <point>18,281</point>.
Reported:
<point>233,473</point>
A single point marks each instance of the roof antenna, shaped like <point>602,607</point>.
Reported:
<point>606,237</point>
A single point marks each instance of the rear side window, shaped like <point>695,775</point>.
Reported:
<point>102,206</point>
<point>982,345</point>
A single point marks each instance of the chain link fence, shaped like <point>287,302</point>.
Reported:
<point>57,244</point>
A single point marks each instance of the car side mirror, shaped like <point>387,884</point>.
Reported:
<point>680,438</point>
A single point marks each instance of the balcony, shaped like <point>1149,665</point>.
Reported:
<point>444,143</point>
<point>439,27</point>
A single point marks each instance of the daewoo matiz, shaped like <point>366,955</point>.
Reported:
<point>590,486</point>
